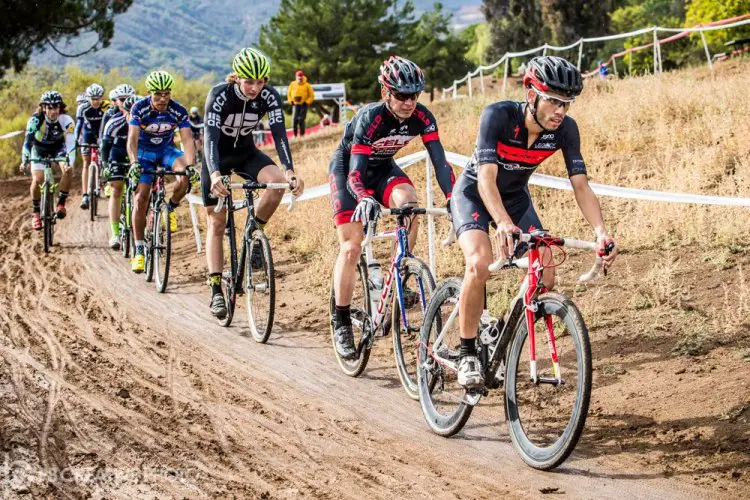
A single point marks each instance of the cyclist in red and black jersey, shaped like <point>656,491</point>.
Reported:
<point>362,175</point>
<point>514,138</point>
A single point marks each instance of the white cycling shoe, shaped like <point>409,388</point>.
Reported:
<point>470,372</point>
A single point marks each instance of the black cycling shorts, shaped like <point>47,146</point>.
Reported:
<point>118,164</point>
<point>247,166</point>
<point>468,211</point>
<point>379,179</point>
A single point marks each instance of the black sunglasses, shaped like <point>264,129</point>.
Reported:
<point>405,97</point>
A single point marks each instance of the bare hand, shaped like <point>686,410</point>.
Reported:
<point>23,167</point>
<point>218,188</point>
<point>504,235</point>
<point>298,185</point>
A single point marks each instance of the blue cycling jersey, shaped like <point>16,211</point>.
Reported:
<point>157,128</point>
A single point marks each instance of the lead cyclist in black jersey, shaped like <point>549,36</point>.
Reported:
<point>233,110</point>
<point>514,138</point>
<point>362,174</point>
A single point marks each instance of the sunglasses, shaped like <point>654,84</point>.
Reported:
<point>50,106</point>
<point>162,95</point>
<point>405,97</point>
<point>556,102</point>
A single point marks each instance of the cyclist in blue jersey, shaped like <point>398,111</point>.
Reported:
<point>88,121</point>
<point>153,121</point>
<point>118,95</point>
<point>514,138</point>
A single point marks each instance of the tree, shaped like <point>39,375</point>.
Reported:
<point>432,44</point>
<point>573,19</point>
<point>335,40</point>
<point>477,37</point>
<point>515,25</point>
<point>31,25</point>
<point>705,11</point>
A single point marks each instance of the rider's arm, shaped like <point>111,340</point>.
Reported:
<point>443,170</point>
<point>278,128</point>
<point>106,143</point>
<point>186,136</point>
<point>70,140</point>
<point>212,131</point>
<point>360,154</point>
<point>79,123</point>
<point>134,131</point>
<point>31,127</point>
<point>487,167</point>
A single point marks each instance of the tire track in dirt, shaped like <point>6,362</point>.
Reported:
<point>159,400</point>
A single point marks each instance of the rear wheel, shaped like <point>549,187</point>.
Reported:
<point>545,419</point>
<point>418,285</point>
<point>162,247</point>
<point>260,288</point>
<point>361,313</point>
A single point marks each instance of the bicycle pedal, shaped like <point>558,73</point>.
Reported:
<point>472,397</point>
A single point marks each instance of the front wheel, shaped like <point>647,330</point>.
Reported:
<point>260,287</point>
<point>93,198</point>
<point>545,418</point>
<point>361,314</point>
<point>417,285</point>
<point>47,214</point>
<point>149,235</point>
<point>443,400</point>
<point>162,247</point>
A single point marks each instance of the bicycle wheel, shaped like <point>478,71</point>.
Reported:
<point>418,285</point>
<point>92,191</point>
<point>162,247</point>
<point>442,399</point>
<point>260,288</point>
<point>228,283</point>
<point>46,216</point>
<point>545,420</point>
<point>361,312</point>
<point>149,235</point>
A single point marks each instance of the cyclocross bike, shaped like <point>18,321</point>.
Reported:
<point>372,300</point>
<point>95,182</point>
<point>546,400</point>
<point>259,286</point>
<point>158,234</point>
<point>127,240</point>
<point>48,188</point>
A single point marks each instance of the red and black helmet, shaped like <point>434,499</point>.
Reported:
<point>553,73</point>
<point>401,75</point>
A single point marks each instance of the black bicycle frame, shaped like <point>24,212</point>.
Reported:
<point>249,203</point>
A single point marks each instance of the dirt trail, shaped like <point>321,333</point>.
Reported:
<point>108,387</point>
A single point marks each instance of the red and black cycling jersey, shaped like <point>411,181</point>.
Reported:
<point>503,139</point>
<point>375,135</point>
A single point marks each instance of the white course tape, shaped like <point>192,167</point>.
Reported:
<point>11,134</point>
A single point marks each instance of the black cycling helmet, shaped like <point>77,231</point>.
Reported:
<point>555,74</point>
<point>401,75</point>
<point>51,97</point>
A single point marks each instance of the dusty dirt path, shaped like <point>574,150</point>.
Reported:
<point>107,387</point>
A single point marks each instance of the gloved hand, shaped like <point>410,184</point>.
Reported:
<point>368,210</point>
<point>193,175</point>
<point>135,171</point>
<point>106,172</point>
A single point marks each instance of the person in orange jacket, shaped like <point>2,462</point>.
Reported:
<point>300,95</point>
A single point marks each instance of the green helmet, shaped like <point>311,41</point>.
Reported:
<point>159,81</point>
<point>251,63</point>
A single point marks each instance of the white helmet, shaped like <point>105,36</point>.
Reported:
<point>194,110</point>
<point>95,91</point>
<point>124,90</point>
<point>113,94</point>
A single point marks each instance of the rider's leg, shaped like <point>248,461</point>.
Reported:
<point>86,159</point>
<point>65,181</point>
<point>477,250</point>
<point>271,198</point>
<point>183,183</point>
<point>140,206</point>
<point>401,195</point>
<point>37,179</point>
<point>115,206</point>
<point>344,273</point>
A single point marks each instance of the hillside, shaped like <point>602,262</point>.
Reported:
<point>192,36</point>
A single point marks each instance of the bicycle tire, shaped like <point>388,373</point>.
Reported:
<point>405,343</point>
<point>355,367</point>
<point>429,373</point>
<point>148,250</point>
<point>260,291</point>
<point>162,247</point>
<point>124,226</point>
<point>92,191</point>
<point>46,217</point>
<point>229,286</point>
<point>549,457</point>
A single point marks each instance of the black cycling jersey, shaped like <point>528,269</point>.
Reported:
<point>115,137</point>
<point>375,135</point>
<point>503,139</point>
<point>108,115</point>
<point>196,125</point>
<point>88,122</point>
<point>231,118</point>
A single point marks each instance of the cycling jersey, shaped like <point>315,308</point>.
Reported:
<point>108,115</point>
<point>157,127</point>
<point>88,122</point>
<point>49,138</point>
<point>196,125</point>
<point>503,139</point>
<point>115,138</point>
<point>375,135</point>
<point>231,118</point>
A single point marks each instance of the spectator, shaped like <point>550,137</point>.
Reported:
<point>300,95</point>
<point>603,70</point>
<point>326,121</point>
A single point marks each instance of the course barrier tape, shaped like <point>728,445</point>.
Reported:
<point>11,134</point>
<point>542,180</point>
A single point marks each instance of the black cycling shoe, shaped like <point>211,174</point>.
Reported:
<point>218,306</point>
<point>411,298</point>
<point>256,259</point>
<point>85,202</point>
<point>344,341</point>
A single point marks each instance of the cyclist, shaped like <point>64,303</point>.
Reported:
<point>196,126</point>
<point>514,138</point>
<point>88,120</point>
<point>362,174</point>
<point>49,134</point>
<point>118,96</point>
<point>152,123</point>
<point>233,110</point>
<point>114,157</point>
